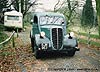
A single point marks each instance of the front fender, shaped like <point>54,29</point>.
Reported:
<point>70,42</point>
<point>39,40</point>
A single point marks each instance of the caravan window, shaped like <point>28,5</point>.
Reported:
<point>9,17</point>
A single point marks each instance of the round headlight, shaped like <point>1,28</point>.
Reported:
<point>42,34</point>
<point>72,34</point>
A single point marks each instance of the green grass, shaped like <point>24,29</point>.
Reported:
<point>2,27</point>
<point>95,43</point>
<point>85,34</point>
<point>91,42</point>
<point>83,41</point>
<point>27,24</point>
<point>91,35</point>
<point>3,36</point>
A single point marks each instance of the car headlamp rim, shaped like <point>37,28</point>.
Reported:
<point>72,34</point>
<point>42,34</point>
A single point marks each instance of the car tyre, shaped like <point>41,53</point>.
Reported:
<point>71,53</point>
<point>32,44</point>
<point>37,54</point>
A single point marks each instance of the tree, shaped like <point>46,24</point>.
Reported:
<point>88,14</point>
<point>24,5</point>
<point>55,7</point>
<point>15,4</point>
<point>98,14</point>
<point>71,8</point>
<point>68,8</point>
<point>3,4</point>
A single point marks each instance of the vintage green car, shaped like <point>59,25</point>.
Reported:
<point>49,34</point>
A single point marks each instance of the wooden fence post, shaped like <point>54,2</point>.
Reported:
<point>13,42</point>
<point>8,39</point>
<point>88,40</point>
<point>78,36</point>
<point>17,32</point>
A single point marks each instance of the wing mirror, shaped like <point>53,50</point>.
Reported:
<point>63,24</point>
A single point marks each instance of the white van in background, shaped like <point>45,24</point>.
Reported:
<point>13,19</point>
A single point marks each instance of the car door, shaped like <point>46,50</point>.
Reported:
<point>35,25</point>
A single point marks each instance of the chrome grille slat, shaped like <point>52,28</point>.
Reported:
<point>57,38</point>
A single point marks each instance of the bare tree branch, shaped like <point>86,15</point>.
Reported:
<point>30,5</point>
<point>12,2</point>
<point>56,5</point>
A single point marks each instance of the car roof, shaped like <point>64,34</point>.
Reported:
<point>47,13</point>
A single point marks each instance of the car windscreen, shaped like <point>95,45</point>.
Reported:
<point>51,20</point>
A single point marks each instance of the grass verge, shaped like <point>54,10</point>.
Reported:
<point>91,42</point>
<point>91,35</point>
<point>85,41</point>
<point>3,36</point>
<point>85,34</point>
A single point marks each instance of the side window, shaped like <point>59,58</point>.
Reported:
<point>35,19</point>
<point>10,17</point>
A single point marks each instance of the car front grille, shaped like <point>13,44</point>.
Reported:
<point>57,38</point>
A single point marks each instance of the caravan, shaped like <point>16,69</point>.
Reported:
<point>13,19</point>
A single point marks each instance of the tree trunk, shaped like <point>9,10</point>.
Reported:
<point>99,25</point>
<point>22,6</point>
<point>17,5</point>
<point>98,14</point>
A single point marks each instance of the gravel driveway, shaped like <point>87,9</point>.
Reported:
<point>85,60</point>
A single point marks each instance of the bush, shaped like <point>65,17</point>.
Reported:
<point>3,36</point>
<point>87,14</point>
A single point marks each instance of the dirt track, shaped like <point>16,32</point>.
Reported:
<point>86,60</point>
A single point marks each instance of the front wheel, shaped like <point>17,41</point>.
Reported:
<point>71,53</point>
<point>37,54</point>
<point>32,44</point>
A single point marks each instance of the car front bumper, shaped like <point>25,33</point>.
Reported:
<point>64,49</point>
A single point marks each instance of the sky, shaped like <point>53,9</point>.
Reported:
<point>48,4</point>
